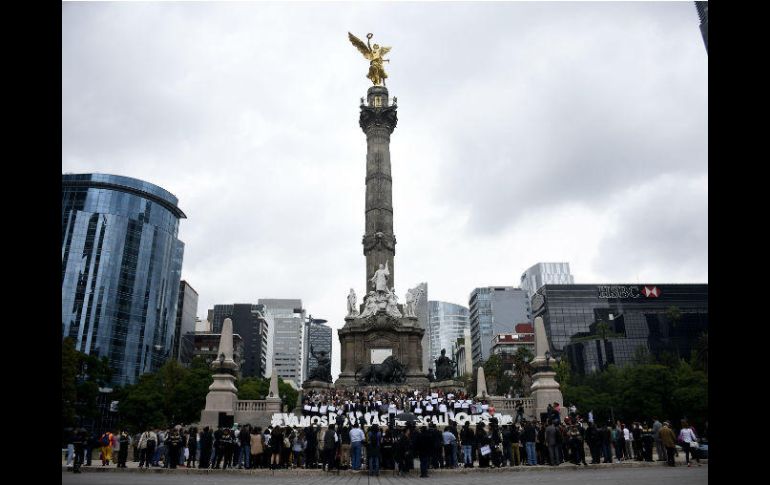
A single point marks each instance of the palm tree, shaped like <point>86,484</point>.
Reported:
<point>603,329</point>
<point>674,315</point>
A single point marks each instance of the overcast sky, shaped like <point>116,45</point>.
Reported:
<point>527,132</point>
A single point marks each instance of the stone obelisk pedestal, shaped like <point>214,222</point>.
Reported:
<point>223,394</point>
<point>481,385</point>
<point>544,389</point>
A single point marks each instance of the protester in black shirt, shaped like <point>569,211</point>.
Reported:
<point>484,444</point>
<point>173,445</point>
<point>125,442</point>
<point>468,440</point>
<point>207,441</point>
<point>424,445</point>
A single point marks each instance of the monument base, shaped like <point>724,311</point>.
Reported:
<point>448,385</point>
<point>221,398</point>
<point>545,391</point>
<point>319,386</point>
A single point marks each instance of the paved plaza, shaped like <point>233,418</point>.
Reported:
<point>658,475</point>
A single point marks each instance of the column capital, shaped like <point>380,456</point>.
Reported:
<point>385,117</point>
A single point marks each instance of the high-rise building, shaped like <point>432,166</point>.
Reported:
<point>597,325</point>
<point>703,14</point>
<point>462,354</point>
<point>493,310</point>
<point>206,345</point>
<point>289,344</point>
<point>186,316</point>
<point>319,337</point>
<point>249,323</point>
<point>446,323</point>
<point>506,345</point>
<point>543,274</point>
<point>121,268</point>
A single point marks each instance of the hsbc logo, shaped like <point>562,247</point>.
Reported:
<point>628,292</point>
<point>651,291</point>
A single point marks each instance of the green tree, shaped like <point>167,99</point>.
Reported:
<point>674,315</point>
<point>493,372</point>
<point>642,355</point>
<point>603,329</point>
<point>701,357</point>
<point>69,374</point>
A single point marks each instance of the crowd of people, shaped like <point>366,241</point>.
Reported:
<point>418,402</point>
<point>551,440</point>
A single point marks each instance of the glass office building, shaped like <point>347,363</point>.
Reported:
<point>121,269</point>
<point>446,323</point>
<point>494,310</point>
<point>289,345</point>
<point>597,325</point>
<point>543,274</point>
<point>250,323</point>
<point>319,337</point>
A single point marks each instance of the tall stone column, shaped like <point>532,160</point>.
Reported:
<point>378,120</point>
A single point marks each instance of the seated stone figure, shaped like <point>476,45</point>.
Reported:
<point>444,367</point>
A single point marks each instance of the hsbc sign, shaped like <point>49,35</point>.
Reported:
<point>628,292</point>
<point>651,291</point>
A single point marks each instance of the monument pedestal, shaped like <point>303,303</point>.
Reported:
<point>447,385</point>
<point>385,334</point>
<point>319,386</point>
<point>545,389</point>
<point>221,398</point>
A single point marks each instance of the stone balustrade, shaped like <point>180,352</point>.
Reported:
<point>251,406</point>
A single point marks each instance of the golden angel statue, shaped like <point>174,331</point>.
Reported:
<point>374,55</point>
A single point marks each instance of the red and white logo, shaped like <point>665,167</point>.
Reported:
<point>651,291</point>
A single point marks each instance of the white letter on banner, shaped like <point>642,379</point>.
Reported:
<point>315,420</point>
<point>304,421</point>
<point>276,420</point>
<point>461,418</point>
<point>324,422</point>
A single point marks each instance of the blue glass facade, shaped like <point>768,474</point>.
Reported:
<point>121,269</point>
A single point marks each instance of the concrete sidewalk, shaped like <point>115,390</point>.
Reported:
<point>97,467</point>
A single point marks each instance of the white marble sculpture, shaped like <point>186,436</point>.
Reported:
<point>380,278</point>
<point>352,310</point>
<point>392,307</point>
<point>412,297</point>
<point>370,305</point>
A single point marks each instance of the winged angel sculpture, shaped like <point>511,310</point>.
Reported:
<point>374,54</point>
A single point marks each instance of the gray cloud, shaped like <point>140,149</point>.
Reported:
<point>527,132</point>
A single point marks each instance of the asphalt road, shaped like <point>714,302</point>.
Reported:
<point>626,476</point>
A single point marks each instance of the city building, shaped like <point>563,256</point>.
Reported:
<point>597,325</point>
<point>206,345</point>
<point>289,344</point>
<point>494,310</point>
<point>703,14</point>
<point>186,316</point>
<point>446,323</point>
<point>545,273</point>
<point>202,325</point>
<point>506,345</point>
<point>250,324</point>
<point>121,269</point>
<point>462,354</point>
<point>319,337</point>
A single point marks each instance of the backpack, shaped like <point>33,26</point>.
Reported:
<point>105,439</point>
